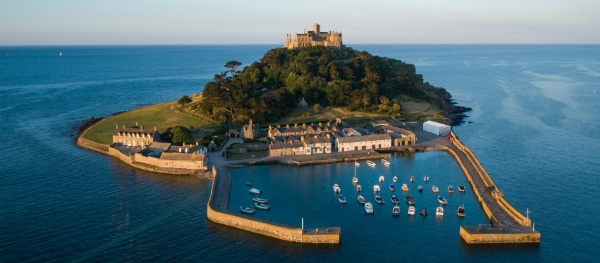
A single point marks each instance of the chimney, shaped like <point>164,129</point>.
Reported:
<point>142,127</point>
<point>136,123</point>
<point>179,149</point>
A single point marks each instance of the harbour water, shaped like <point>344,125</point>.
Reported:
<point>533,126</point>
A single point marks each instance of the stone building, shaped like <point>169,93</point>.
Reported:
<point>314,38</point>
<point>135,136</point>
<point>365,142</point>
<point>249,131</point>
<point>400,137</point>
<point>302,130</point>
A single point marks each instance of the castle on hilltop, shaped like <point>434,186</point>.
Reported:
<point>314,38</point>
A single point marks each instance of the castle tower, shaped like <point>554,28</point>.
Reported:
<point>317,28</point>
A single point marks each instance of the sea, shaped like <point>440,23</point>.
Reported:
<point>534,126</point>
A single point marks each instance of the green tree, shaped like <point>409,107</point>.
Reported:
<point>177,135</point>
<point>185,99</point>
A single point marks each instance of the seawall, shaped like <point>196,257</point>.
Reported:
<point>220,187</point>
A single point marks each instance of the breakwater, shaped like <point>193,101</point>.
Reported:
<point>217,212</point>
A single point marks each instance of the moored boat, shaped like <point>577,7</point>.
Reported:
<point>395,179</point>
<point>385,162</point>
<point>262,206</point>
<point>396,210</point>
<point>370,163</point>
<point>461,189</point>
<point>442,200</point>
<point>450,189</point>
<point>439,211</point>
<point>248,184</point>
<point>426,179</point>
<point>368,208</point>
<point>410,200</point>
<point>356,164</point>
<point>411,210</point>
<point>435,189</point>
<point>412,179</point>
<point>392,188</point>
<point>247,210</point>
<point>358,188</point>
<point>395,199</point>
<point>361,199</point>
<point>423,211</point>
<point>404,187</point>
<point>254,191</point>
<point>355,180</point>
<point>381,179</point>
<point>342,199</point>
<point>420,188</point>
<point>379,200</point>
<point>336,188</point>
<point>460,211</point>
<point>376,188</point>
<point>260,200</point>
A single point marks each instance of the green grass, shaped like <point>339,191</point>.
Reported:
<point>304,116</point>
<point>161,116</point>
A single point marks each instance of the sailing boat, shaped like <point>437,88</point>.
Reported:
<point>355,179</point>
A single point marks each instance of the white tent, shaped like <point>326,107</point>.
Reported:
<point>436,128</point>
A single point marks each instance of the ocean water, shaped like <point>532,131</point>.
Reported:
<point>534,127</point>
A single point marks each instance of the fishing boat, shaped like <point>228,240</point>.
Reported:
<point>404,187</point>
<point>379,200</point>
<point>376,188</point>
<point>435,189</point>
<point>262,206</point>
<point>336,188</point>
<point>395,199</point>
<point>396,210</point>
<point>381,179</point>
<point>412,179</point>
<point>247,210</point>
<point>410,200</point>
<point>368,208</point>
<point>450,189</point>
<point>442,200</point>
<point>411,210</point>
<point>370,163</point>
<point>461,189</point>
<point>385,162</point>
<point>423,211</point>
<point>426,179</point>
<point>420,188</point>
<point>460,211</point>
<point>439,211</point>
<point>341,199</point>
<point>395,179</point>
<point>361,199</point>
<point>358,188</point>
<point>392,188</point>
<point>260,200</point>
<point>254,191</point>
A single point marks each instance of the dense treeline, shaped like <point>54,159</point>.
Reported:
<point>267,90</point>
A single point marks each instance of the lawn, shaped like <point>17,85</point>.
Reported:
<point>161,116</point>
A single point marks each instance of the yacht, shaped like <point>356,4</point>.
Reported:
<point>368,208</point>
<point>411,210</point>
<point>396,210</point>
<point>370,163</point>
<point>336,188</point>
<point>439,211</point>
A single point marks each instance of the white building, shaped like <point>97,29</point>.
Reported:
<point>436,128</point>
<point>365,142</point>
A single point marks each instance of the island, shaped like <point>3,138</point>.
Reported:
<point>317,101</point>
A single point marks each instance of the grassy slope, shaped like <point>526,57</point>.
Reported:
<point>162,116</point>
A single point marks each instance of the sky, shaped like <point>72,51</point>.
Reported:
<point>159,22</point>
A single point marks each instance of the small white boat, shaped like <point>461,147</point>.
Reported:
<point>395,179</point>
<point>396,210</point>
<point>247,210</point>
<point>368,208</point>
<point>376,188</point>
<point>254,191</point>
<point>358,188</point>
<point>412,179</point>
<point>370,163</point>
<point>426,179</point>
<point>439,211</point>
<point>450,189</point>
<point>442,200</point>
<point>411,210</point>
<point>355,180</point>
<point>260,200</point>
<point>356,164</point>
<point>262,206</point>
<point>341,199</point>
<point>420,188</point>
<point>381,179</point>
<point>461,189</point>
<point>435,189</point>
<point>392,188</point>
<point>336,188</point>
<point>385,162</point>
<point>361,199</point>
<point>379,200</point>
<point>461,211</point>
<point>404,187</point>
<point>395,199</point>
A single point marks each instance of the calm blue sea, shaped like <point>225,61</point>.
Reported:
<point>534,126</point>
